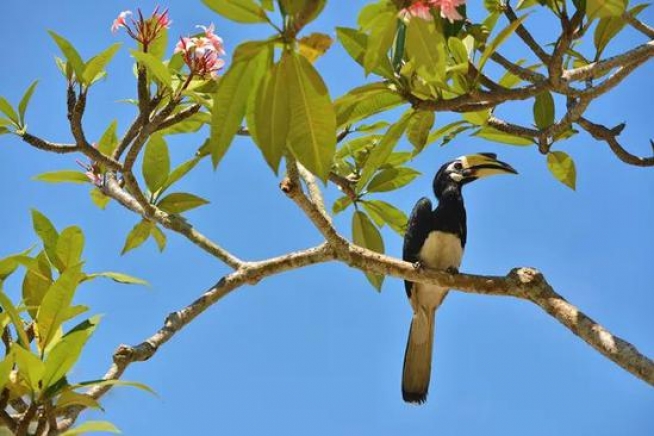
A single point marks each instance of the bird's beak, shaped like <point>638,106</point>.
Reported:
<point>477,166</point>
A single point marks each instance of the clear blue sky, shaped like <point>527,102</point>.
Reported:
<point>318,351</point>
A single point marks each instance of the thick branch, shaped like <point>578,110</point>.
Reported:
<point>638,25</point>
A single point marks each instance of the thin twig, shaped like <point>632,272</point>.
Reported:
<point>610,136</point>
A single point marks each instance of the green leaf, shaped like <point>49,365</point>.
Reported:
<point>341,204</point>
<point>241,11</point>
<point>70,246</point>
<point>544,110</point>
<point>563,168</point>
<point>365,234</point>
<point>37,281</point>
<point>71,55</point>
<point>355,44</point>
<point>67,351</point>
<point>364,102</point>
<point>137,236</point>
<point>57,300</point>
<point>71,398</point>
<point>391,179</point>
<point>384,212</point>
<point>495,135</point>
<point>380,153</point>
<point>99,198</point>
<point>109,140</point>
<point>101,383</point>
<point>178,173</point>
<point>48,234</point>
<point>419,127</point>
<point>24,102</point>
<point>179,202</point>
<point>230,100</point>
<point>63,176</point>
<point>119,278</point>
<point>459,53</point>
<point>157,68</point>
<point>156,163</point>
<point>478,118</point>
<point>501,37</point>
<point>382,33</point>
<point>8,306</point>
<point>269,116</point>
<point>91,426</point>
<point>605,8</point>
<point>97,64</point>
<point>608,27</point>
<point>425,46</point>
<point>312,132</point>
<point>159,237</point>
<point>6,365</point>
<point>441,132</point>
<point>8,110</point>
<point>29,366</point>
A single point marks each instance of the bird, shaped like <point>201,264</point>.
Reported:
<point>436,238</point>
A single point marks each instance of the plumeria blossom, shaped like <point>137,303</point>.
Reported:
<point>202,53</point>
<point>93,171</point>
<point>144,30</point>
<point>422,9</point>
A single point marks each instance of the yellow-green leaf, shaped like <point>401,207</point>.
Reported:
<point>425,46</point>
<point>71,398</point>
<point>562,167</point>
<point>70,53</point>
<point>419,127</point>
<point>365,101</point>
<point>7,109</point>
<point>365,234</point>
<point>63,176</point>
<point>605,8</point>
<point>178,202</point>
<point>37,281</point>
<point>91,426</point>
<point>29,366</point>
<point>57,300</point>
<point>156,163</point>
<point>137,236</point>
<point>269,116</point>
<point>24,102</point>
<point>119,277</point>
<point>241,11</point>
<point>495,135</point>
<point>70,246</point>
<point>380,153</point>
<point>544,110</point>
<point>382,32</point>
<point>340,204</point>
<point>159,237</point>
<point>383,212</point>
<point>99,198</point>
<point>355,44</point>
<point>98,63</point>
<point>312,132</point>
<point>230,100</point>
<point>100,383</point>
<point>501,37</point>
<point>314,45</point>
<point>156,68</point>
<point>6,366</point>
<point>48,234</point>
<point>67,351</point>
<point>391,179</point>
<point>8,306</point>
<point>108,141</point>
<point>478,118</point>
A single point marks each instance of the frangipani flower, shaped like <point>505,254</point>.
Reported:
<point>144,30</point>
<point>202,53</point>
<point>422,9</point>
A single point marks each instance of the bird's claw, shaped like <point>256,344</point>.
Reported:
<point>419,266</point>
<point>452,270</point>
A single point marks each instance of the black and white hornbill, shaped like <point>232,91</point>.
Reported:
<point>435,238</point>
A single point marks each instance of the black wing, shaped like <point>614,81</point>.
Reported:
<point>420,223</point>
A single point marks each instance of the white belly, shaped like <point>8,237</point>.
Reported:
<point>440,251</point>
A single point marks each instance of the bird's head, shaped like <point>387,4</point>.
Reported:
<point>466,169</point>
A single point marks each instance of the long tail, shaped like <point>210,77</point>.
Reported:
<point>417,357</point>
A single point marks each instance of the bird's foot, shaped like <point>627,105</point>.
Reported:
<point>452,270</point>
<point>418,266</point>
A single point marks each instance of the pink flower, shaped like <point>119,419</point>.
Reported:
<point>120,21</point>
<point>202,53</point>
<point>448,8</point>
<point>422,9</point>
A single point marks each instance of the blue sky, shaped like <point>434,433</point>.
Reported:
<point>318,351</point>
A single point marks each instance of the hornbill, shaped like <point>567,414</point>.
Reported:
<point>436,239</point>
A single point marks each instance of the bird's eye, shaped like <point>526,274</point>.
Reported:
<point>458,166</point>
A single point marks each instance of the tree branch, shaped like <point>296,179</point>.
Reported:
<point>638,25</point>
<point>610,136</point>
<point>524,34</point>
